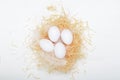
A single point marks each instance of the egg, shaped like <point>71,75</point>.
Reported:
<point>59,50</point>
<point>67,36</point>
<point>54,33</point>
<point>46,45</point>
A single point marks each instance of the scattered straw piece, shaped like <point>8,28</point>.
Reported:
<point>51,8</point>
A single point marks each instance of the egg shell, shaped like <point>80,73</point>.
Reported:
<point>46,45</point>
<point>67,36</point>
<point>54,33</point>
<point>60,50</point>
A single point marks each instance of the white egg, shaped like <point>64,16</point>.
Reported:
<point>60,50</point>
<point>67,36</point>
<point>54,33</point>
<point>46,45</point>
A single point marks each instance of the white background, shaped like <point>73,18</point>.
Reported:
<point>103,17</point>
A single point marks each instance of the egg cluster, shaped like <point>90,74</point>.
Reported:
<point>57,41</point>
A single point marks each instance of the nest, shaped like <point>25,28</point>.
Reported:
<point>74,51</point>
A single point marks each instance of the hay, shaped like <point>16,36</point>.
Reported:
<point>74,50</point>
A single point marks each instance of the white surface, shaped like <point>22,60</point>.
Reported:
<point>103,17</point>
